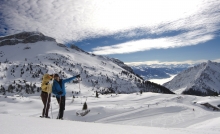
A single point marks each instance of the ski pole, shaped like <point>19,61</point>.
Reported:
<point>51,110</point>
<point>79,84</point>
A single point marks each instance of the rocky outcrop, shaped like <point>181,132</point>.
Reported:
<point>211,106</point>
<point>121,64</point>
<point>77,48</point>
<point>24,37</point>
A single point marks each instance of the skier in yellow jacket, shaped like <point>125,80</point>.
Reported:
<point>46,87</point>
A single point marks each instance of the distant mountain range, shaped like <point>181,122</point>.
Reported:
<point>202,79</point>
<point>158,71</point>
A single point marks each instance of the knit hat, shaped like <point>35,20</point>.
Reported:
<point>56,75</point>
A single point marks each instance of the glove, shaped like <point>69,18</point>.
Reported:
<point>59,93</point>
<point>78,76</point>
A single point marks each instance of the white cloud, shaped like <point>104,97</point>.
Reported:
<point>197,28</point>
<point>146,44</point>
<point>170,62</point>
<point>76,20</point>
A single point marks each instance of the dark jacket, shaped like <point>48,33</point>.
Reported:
<point>60,87</point>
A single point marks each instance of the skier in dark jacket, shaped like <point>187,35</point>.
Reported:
<point>59,90</point>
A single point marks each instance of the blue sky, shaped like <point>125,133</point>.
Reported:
<point>209,50</point>
<point>142,31</point>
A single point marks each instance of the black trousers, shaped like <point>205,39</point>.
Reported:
<point>61,101</point>
<point>46,101</point>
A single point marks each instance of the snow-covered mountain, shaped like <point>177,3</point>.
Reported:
<point>158,71</point>
<point>26,56</point>
<point>202,79</point>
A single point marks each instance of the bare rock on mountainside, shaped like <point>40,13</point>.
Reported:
<point>120,63</point>
<point>24,37</point>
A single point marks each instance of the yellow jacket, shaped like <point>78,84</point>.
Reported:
<point>45,85</point>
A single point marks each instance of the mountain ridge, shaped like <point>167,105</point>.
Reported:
<point>202,79</point>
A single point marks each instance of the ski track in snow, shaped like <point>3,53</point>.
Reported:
<point>168,111</point>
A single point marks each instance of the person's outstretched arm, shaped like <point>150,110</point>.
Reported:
<point>71,78</point>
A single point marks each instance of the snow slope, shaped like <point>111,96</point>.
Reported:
<point>212,124</point>
<point>156,112</point>
<point>36,126</point>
